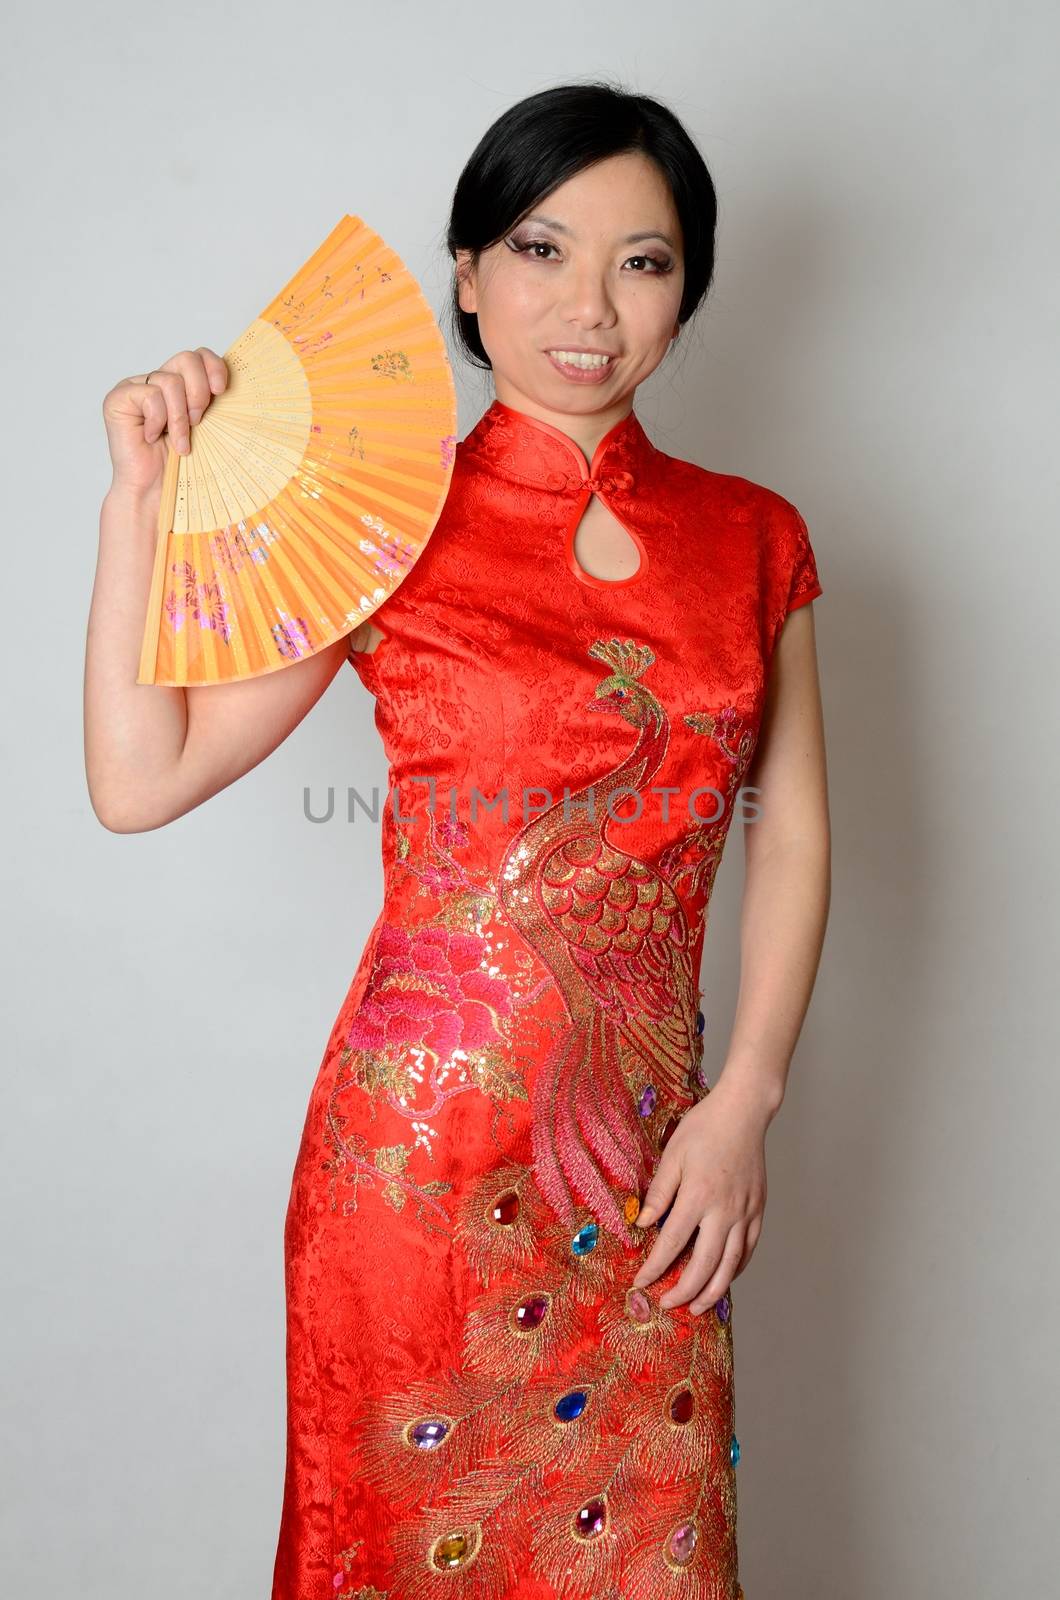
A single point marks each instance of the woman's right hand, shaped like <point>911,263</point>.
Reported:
<point>139,416</point>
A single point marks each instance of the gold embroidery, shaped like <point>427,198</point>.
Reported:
<point>587,1437</point>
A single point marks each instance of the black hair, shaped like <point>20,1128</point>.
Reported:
<point>545,139</point>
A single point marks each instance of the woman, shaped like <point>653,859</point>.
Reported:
<point>517,1208</point>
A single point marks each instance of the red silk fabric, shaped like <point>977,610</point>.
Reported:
<point>478,1403</point>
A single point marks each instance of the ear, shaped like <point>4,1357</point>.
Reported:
<point>465,278</point>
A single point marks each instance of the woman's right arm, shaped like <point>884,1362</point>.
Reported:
<point>153,752</point>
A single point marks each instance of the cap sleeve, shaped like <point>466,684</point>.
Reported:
<point>365,664</point>
<point>804,584</point>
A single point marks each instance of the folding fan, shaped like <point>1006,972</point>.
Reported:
<point>313,481</point>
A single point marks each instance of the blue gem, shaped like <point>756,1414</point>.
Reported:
<point>701,1022</point>
<point>585,1239</point>
<point>734,1450</point>
<point>571,1405</point>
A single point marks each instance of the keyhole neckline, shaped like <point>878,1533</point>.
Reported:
<point>525,448</point>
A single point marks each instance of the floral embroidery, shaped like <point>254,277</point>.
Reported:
<point>435,1022</point>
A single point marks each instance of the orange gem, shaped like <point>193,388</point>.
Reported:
<point>631,1208</point>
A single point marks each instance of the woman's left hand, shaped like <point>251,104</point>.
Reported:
<point>713,1169</point>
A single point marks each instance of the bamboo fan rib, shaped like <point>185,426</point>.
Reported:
<point>314,481</point>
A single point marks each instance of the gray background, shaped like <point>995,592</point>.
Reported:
<point>880,347</point>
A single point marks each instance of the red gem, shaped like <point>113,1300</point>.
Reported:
<point>530,1313</point>
<point>682,1406</point>
<point>591,1519</point>
<point>506,1209</point>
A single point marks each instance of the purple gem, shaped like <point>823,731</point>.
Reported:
<point>722,1308</point>
<point>646,1103</point>
<point>682,1543</point>
<point>428,1434</point>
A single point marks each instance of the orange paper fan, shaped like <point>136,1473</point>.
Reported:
<point>313,481</point>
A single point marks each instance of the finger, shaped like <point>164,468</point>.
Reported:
<point>190,365</point>
<point>660,1193</point>
<point>753,1233</point>
<point>722,1278</point>
<point>193,370</point>
<point>216,369</point>
<point>153,408</point>
<point>706,1254</point>
<point>673,1236</point>
<point>171,386</point>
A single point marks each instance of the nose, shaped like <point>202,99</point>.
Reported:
<point>588,302</point>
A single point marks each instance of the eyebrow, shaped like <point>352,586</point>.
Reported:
<point>631,238</point>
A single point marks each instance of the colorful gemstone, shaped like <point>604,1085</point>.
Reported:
<point>723,1308</point>
<point>530,1313</point>
<point>648,1098</point>
<point>571,1405</point>
<point>590,1519</point>
<point>506,1209</point>
<point>681,1544</point>
<point>672,1125</point>
<point>638,1305</point>
<point>337,1580</point>
<point>701,1022</point>
<point>631,1208</point>
<point>585,1239</point>
<point>451,1551</point>
<point>734,1450</point>
<point>682,1406</point>
<point>428,1433</point>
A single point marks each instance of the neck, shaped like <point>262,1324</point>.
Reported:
<point>584,429</point>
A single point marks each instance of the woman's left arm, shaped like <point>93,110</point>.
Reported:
<point>713,1167</point>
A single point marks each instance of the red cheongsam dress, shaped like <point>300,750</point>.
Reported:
<point>480,1406</point>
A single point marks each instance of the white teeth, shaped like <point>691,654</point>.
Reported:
<point>575,358</point>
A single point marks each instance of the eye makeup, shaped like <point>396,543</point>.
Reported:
<point>523,244</point>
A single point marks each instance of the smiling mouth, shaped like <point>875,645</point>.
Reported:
<point>575,358</point>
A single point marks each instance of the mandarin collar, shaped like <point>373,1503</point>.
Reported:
<point>521,447</point>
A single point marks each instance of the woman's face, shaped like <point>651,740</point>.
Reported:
<point>581,279</point>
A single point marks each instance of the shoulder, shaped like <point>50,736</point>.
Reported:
<point>726,489</point>
<point>767,514</point>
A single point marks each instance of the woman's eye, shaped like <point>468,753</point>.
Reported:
<point>657,264</point>
<point>653,264</point>
<point>523,247</point>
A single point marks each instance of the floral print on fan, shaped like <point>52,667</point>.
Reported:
<point>205,603</point>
